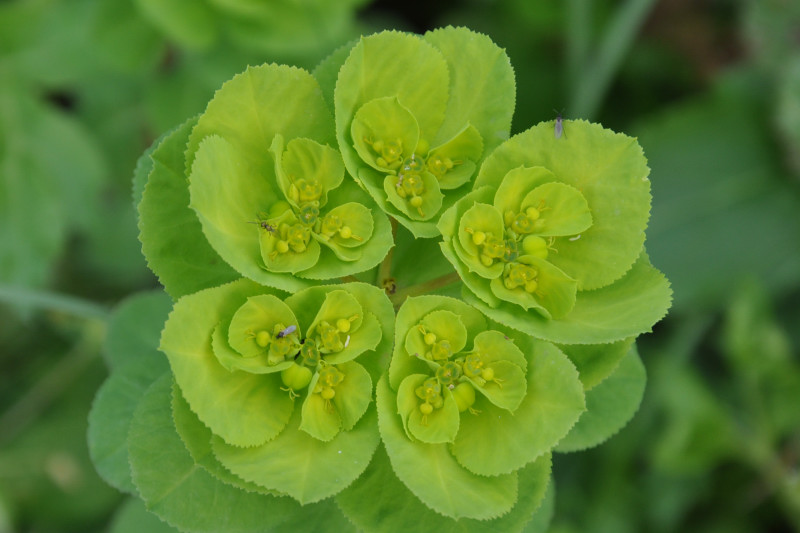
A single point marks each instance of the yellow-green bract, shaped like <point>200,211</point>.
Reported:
<point>415,116</point>
<point>551,239</point>
<point>268,187</point>
<point>474,401</point>
<point>244,355</point>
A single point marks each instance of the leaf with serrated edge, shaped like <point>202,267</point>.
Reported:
<point>553,403</point>
<point>132,517</point>
<point>609,170</point>
<point>186,495</point>
<point>609,406</point>
<point>626,308</point>
<point>254,106</point>
<point>327,71</point>
<point>131,350</point>
<point>109,418</point>
<point>434,476</point>
<point>301,466</point>
<point>212,391</point>
<point>172,237</point>
<point>197,438</point>
<point>482,86</point>
<point>228,193</point>
<point>392,507</point>
<point>595,362</point>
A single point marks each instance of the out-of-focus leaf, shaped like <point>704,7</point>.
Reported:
<point>18,24</point>
<point>46,471</point>
<point>50,171</point>
<point>311,27</point>
<point>124,37</point>
<point>191,23</point>
<point>770,28</point>
<point>44,42</point>
<point>609,406</point>
<point>135,330</point>
<point>721,208</point>
<point>190,498</point>
<point>760,354</point>
<point>696,431</point>
<point>131,351</point>
<point>133,517</point>
<point>788,110</point>
<point>110,250</point>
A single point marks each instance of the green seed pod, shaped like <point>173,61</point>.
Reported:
<point>535,246</point>
<point>263,338</point>
<point>296,377</point>
<point>464,394</point>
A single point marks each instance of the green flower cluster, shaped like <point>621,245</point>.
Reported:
<point>476,400</point>
<point>267,193</point>
<point>553,231</point>
<point>416,116</point>
<point>288,180</point>
<point>316,347</point>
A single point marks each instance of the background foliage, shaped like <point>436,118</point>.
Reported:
<point>711,89</point>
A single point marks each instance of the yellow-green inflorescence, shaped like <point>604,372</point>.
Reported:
<point>452,375</point>
<point>514,246</point>
<point>293,228</point>
<point>265,336</point>
<point>412,169</point>
<point>458,373</point>
<point>309,354</point>
<point>387,137</point>
<point>511,242</point>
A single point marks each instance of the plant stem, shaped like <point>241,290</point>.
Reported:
<point>385,268</point>
<point>51,301</point>
<point>590,88</point>
<point>421,288</point>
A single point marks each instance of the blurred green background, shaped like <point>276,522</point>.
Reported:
<point>711,88</point>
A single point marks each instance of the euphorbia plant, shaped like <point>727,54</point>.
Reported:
<point>293,385</point>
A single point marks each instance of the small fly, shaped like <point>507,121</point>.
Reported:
<point>288,331</point>
<point>265,225</point>
<point>559,127</point>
